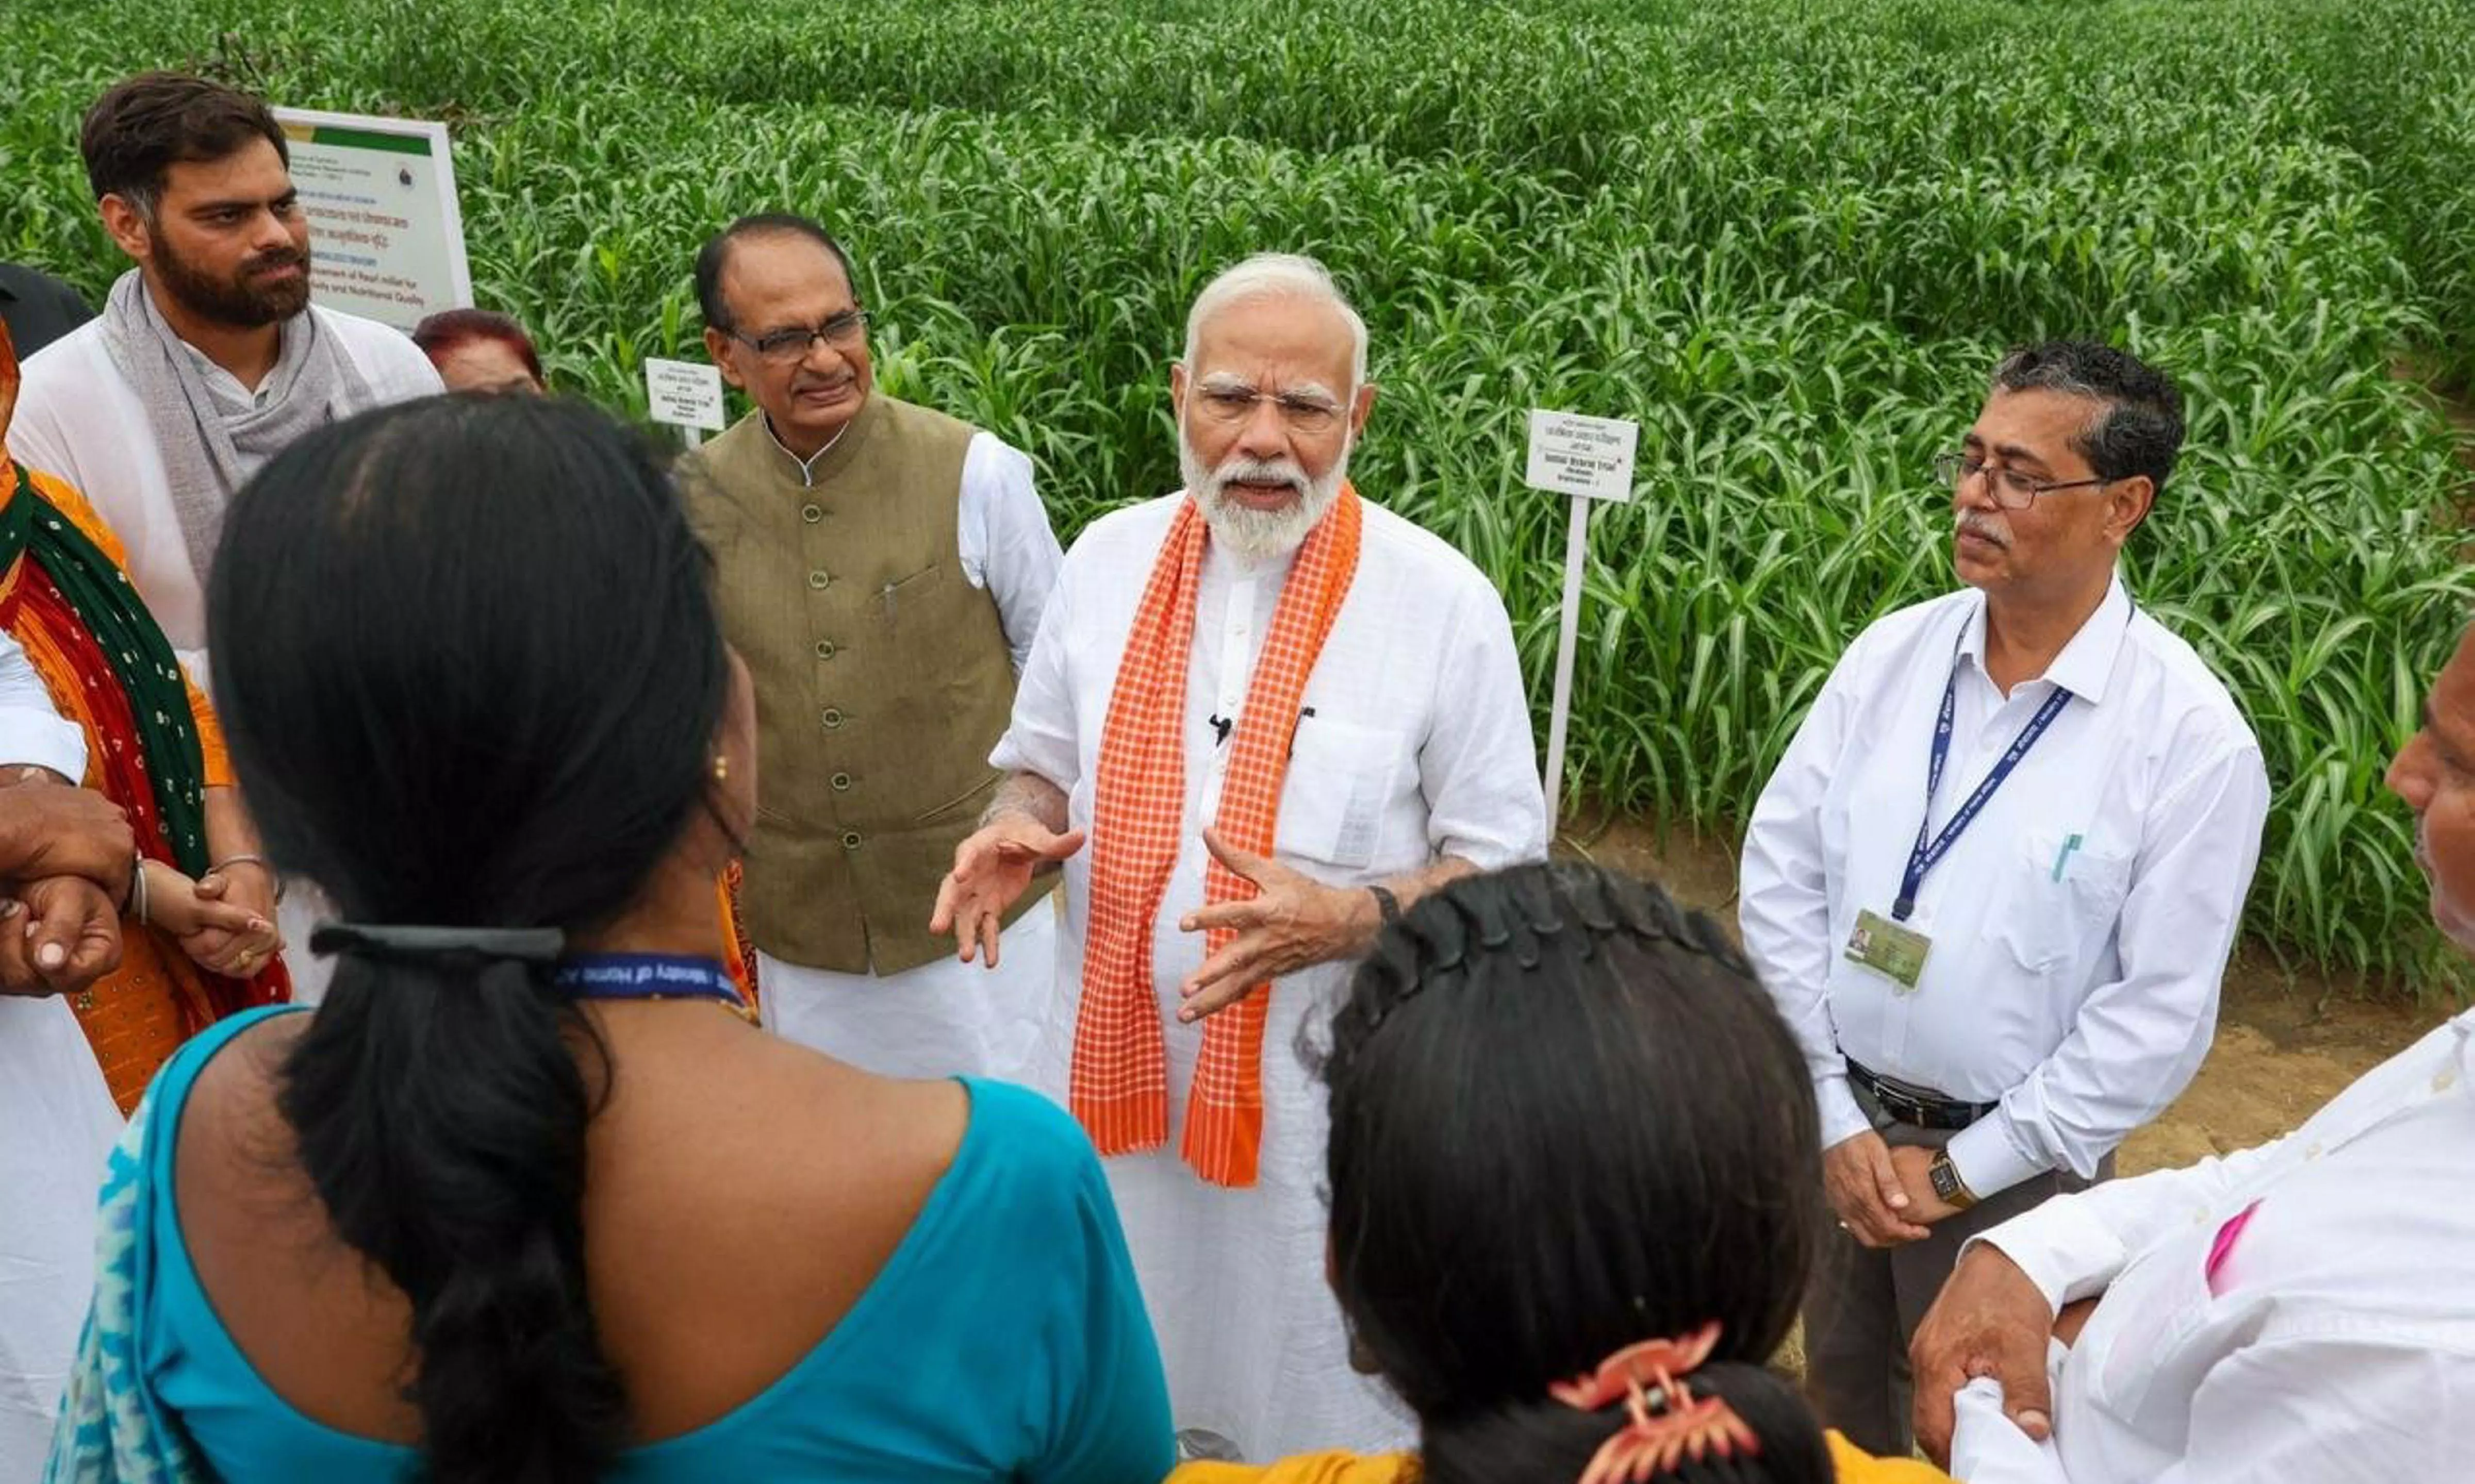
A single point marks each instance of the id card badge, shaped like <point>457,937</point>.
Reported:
<point>1895,952</point>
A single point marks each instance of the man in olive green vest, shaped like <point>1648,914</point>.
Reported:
<point>881,568</point>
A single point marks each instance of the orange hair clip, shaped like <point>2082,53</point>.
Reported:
<point>1651,1375</point>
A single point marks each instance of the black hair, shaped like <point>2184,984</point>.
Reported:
<point>139,129</point>
<point>713,259</point>
<point>471,677</point>
<point>1566,1119</point>
<point>2139,429</point>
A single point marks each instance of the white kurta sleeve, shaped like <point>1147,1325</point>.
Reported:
<point>1007,547</point>
<point>2137,1041</point>
<point>37,440</point>
<point>1478,767</point>
<point>2072,1247</point>
<point>1043,737</point>
<point>1988,1448</point>
<point>1783,901</point>
<point>32,730</point>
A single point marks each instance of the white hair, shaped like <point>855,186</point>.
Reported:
<point>1277,276</point>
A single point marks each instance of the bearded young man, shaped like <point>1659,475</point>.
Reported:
<point>1278,715</point>
<point>209,344</point>
<point>208,359</point>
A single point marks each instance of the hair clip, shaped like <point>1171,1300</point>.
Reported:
<point>402,941</point>
<point>1666,1422</point>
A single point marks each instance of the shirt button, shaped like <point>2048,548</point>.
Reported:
<point>850,840</point>
<point>812,514</point>
<point>818,580</point>
<point>833,718</point>
<point>840,783</point>
<point>825,648</point>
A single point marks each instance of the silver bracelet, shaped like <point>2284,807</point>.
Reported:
<point>137,891</point>
<point>261,863</point>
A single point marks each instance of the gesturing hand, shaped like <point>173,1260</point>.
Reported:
<point>992,870</point>
<point>1291,922</point>
<point>59,936</point>
<point>1864,1188</point>
<point>1989,1319</point>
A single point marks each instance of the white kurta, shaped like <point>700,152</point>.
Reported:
<point>1414,743</point>
<point>79,418</point>
<point>57,1126</point>
<point>2326,1337</point>
<point>946,1017</point>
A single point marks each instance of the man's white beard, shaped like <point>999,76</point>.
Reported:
<point>1244,531</point>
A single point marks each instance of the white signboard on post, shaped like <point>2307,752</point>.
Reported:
<point>387,236</point>
<point>687,395</point>
<point>1587,459</point>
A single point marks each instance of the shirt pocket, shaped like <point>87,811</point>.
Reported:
<point>1337,792</point>
<point>2148,1363</point>
<point>913,594</point>
<point>2067,891</point>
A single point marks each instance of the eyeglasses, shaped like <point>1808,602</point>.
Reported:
<point>787,347</point>
<point>2012,489</point>
<point>1230,405</point>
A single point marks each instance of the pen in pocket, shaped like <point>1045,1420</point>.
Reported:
<point>2061,857</point>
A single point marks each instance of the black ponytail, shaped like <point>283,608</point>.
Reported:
<point>1564,1103</point>
<point>470,675</point>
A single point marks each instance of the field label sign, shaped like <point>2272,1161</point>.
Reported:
<point>1588,458</point>
<point>1572,454</point>
<point>387,236</point>
<point>684,394</point>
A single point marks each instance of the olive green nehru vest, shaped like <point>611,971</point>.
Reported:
<point>882,677</point>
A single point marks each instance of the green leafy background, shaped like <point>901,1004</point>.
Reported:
<point>1788,236</point>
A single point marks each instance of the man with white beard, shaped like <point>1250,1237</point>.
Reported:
<point>1277,715</point>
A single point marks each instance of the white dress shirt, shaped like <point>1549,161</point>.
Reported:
<point>2330,1341</point>
<point>1418,745</point>
<point>79,418</point>
<point>57,1125</point>
<point>2079,925</point>
<point>1001,532</point>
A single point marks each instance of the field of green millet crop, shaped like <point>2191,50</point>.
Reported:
<point>1787,236</point>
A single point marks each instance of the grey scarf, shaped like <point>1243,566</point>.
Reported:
<point>208,450</point>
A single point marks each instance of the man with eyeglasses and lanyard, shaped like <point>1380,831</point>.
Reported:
<point>881,568</point>
<point>1995,877</point>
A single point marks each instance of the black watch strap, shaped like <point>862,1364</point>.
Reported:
<point>1386,904</point>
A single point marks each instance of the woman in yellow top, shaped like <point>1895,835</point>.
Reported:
<point>1575,1187</point>
<point>198,942</point>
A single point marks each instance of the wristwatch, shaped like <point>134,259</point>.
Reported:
<point>1387,905</point>
<point>1948,1186</point>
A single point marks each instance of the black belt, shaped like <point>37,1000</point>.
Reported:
<point>1919,1107</point>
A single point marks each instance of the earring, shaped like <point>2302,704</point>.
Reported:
<point>722,768</point>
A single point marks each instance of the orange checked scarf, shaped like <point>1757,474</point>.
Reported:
<point>1119,1084</point>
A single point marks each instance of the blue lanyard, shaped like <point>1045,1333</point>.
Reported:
<point>1929,853</point>
<point>644,976</point>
